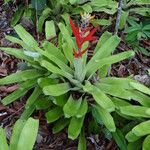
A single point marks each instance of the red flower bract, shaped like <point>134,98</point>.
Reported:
<point>81,37</point>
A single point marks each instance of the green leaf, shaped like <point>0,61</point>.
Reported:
<point>3,141</point>
<point>99,63</point>
<point>54,114</point>
<point>57,89</point>
<point>140,87</point>
<point>38,4</point>
<point>123,19</point>
<point>146,143</point>
<point>26,37</point>
<point>102,22</point>
<point>19,53</point>
<point>42,18</point>
<point>101,98</point>
<point>24,87</point>
<point>35,94</point>
<point>133,145</point>
<point>26,139</point>
<point>142,129</point>
<point>52,49</point>
<point>82,141</point>
<point>60,125</point>
<point>21,76</point>
<point>17,15</point>
<point>135,111</point>
<point>16,134</point>
<point>50,29</point>
<point>106,118</point>
<point>74,128</point>
<point>70,44</point>
<point>43,103</point>
<point>60,100</point>
<point>52,68</point>
<point>131,137</point>
<point>82,109</point>
<point>120,140</point>
<point>72,106</point>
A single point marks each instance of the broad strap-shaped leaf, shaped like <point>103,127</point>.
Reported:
<point>146,143</point>
<point>105,36</point>
<point>72,107</point>
<point>54,69</point>
<point>142,129</point>
<point>92,67</point>
<point>56,89</point>
<point>26,140</point>
<point>82,141</point>
<point>31,100</point>
<point>106,118</point>
<point>131,137</point>
<point>3,141</point>
<point>120,140</point>
<point>45,81</point>
<point>106,49</point>
<point>140,87</point>
<point>121,82</point>
<point>21,76</point>
<point>82,109</point>
<point>50,29</point>
<point>16,134</point>
<point>20,42</point>
<point>52,49</point>
<point>54,114</point>
<point>24,87</point>
<point>60,100</point>
<point>133,145</point>
<point>119,102</point>
<point>100,97</point>
<point>75,127</point>
<point>58,62</point>
<point>18,53</point>
<point>70,44</point>
<point>26,37</point>
<point>135,111</point>
<point>60,125</point>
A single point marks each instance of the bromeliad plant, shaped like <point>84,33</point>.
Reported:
<point>67,85</point>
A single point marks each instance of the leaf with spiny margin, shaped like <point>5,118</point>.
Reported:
<point>60,125</point>
<point>72,106</point>
<point>75,127</point>
<point>57,89</point>
<point>54,114</point>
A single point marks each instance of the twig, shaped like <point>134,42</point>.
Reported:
<point>118,16</point>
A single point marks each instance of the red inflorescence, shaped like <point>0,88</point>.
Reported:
<point>81,37</point>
